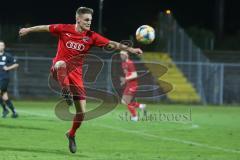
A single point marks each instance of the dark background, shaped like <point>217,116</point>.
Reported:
<point>121,18</point>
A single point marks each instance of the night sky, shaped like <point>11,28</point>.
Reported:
<point>121,18</point>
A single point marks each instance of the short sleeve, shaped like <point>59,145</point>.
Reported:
<point>11,60</point>
<point>99,40</point>
<point>56,29</point>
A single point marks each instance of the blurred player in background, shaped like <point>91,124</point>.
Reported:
<point>75,40</point>
<point>130,83</point>
<point>7,63</point>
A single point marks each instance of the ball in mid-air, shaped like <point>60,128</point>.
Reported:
<point>145,34</point>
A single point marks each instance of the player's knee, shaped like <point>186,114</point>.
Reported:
<point>60,64</point>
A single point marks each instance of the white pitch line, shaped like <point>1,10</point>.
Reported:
<point>193,125</point>
<point>37,114</point>
<point>172,139</point>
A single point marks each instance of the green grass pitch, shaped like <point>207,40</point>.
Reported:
<point>211,133</point>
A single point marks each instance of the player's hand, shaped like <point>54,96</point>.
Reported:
<point>5,68</point>
<point>23,31</point>
<point>122,81</point>
<point>137,51</point>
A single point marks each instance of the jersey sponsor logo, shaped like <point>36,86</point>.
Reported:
<point>75,45</point>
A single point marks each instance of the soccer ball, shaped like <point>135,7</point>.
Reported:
<point>145,34</point>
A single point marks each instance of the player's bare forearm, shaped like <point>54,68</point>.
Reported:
<point>132,76</point>
<point>8,68</point>
<point>119,46</point>
<point>41,28</point>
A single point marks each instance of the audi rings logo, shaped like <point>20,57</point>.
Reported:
<point>75,45</point>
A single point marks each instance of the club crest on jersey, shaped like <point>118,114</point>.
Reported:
<point>86,39</point>
<point>75,45</point>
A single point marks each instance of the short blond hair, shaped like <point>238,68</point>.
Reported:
<point>84,10</point>
<point>123,52</point>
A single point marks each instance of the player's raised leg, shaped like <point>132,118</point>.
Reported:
<point>60,67</point>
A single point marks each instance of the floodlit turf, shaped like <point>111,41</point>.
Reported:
<point>209,133</point>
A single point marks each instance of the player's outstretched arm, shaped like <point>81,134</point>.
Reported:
<point>119,46</point>
<point>41,28</point>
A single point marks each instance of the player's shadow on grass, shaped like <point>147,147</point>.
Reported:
<point>46,151</point>
<point>21,127</point>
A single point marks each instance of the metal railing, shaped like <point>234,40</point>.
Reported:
<point>216,83</point>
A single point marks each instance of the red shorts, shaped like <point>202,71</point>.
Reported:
<point>130,90</point>
<point>74,81</point>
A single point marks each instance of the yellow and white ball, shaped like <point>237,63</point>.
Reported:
<point>145,34</point>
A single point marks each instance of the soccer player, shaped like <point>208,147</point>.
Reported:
<point>131,85</point>
<point>7,63</point>
<point>75,40</point>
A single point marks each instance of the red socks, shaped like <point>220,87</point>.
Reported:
<point>135,104</point>
<point>132,108</point>
<point>77,121</point>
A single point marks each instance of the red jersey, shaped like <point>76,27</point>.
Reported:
<point>72,45</point>
<point>128,68</point>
